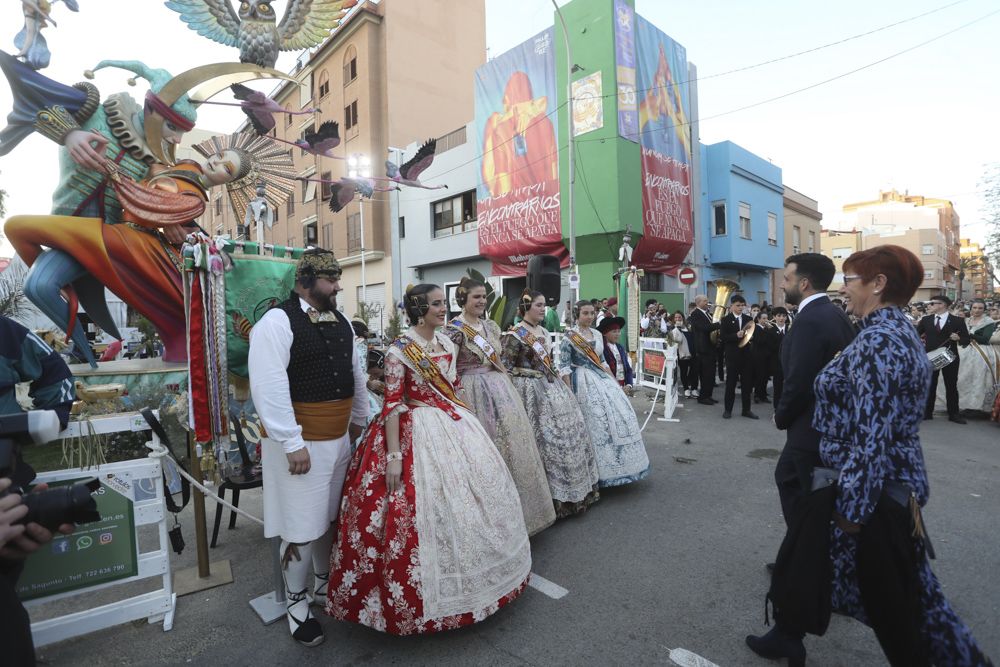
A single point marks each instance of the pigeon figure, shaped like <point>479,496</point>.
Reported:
<point>258,107</point>
<point>410,172</point>
<point>255,30</point>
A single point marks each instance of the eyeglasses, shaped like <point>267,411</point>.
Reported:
<point>850,278</point>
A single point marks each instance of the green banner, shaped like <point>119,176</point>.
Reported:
<point>95,553</point>
<point>254,285</point>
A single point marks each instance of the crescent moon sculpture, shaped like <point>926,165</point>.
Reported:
<point>209,80</point>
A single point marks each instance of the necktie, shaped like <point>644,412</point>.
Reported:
<point>940,323</point>
<point>316,316</point>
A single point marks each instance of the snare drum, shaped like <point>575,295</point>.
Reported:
<point>941,357</point>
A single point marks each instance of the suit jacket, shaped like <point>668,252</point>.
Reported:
<point>779,342</point>
<point>933,339</point>
<point>728,333</point>
<point>702,326</point>
<point>821,330</point>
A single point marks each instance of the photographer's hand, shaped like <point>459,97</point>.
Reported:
<point>33,536</point>
<point>11,511</point>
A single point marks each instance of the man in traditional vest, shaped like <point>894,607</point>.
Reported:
<point>304,376</point>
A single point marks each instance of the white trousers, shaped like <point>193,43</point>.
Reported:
<point>300,508</point>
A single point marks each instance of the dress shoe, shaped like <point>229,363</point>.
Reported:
<point>727,415</point>
<point>957,419</point>
<point>714,400</point>
<point>706,401</point>
<point>778,644</point>
<point>750,415</point>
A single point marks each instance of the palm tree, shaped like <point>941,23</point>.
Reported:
<point>12,288</point>
<point>965,264</point>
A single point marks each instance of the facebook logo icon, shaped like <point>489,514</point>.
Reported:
<point>60,546</point>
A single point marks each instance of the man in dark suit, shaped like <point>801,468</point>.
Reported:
<point>821,330</point>
<point>704,352</point>
<point>780,331</point>
<point>939,329</point>
<point>739,361</point>
<point>765,351</point>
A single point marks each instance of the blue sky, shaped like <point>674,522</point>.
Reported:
<point>924,121</point>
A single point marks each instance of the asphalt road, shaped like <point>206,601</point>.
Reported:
<point>674,561</point>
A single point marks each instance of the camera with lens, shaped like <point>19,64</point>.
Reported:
<point>53,507</point>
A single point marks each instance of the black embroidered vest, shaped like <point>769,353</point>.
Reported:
<point>320,367</point>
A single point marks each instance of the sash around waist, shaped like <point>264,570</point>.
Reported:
<point>325,420</point>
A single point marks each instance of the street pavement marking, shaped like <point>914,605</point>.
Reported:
<point>685,658</point>
<point>546,587</point>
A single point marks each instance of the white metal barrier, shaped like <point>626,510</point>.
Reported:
<point>656,368</point>
<point>141,481</point>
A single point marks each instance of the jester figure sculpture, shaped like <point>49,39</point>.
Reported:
<point>106,227</point>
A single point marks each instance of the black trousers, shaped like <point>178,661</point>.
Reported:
<point>761,372</point>
<point>689,379</point>
<point>739,368</point>
<point>706,373</point>
<point>793,476</point>
<point>15,625</point>
<point>778,379</point>
<point>950,373</point>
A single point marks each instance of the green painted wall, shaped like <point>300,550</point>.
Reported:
<point>608,180</point>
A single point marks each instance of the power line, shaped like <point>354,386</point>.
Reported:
<point>817,84</point>
<point>793,55</point>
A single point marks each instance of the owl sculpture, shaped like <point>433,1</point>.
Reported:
<point>254,29</point>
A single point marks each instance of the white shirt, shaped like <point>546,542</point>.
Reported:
<point>941,319</point>
<point>270,352</point>
<point>809,299</point>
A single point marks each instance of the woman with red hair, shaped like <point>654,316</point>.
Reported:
<point>869,405</point>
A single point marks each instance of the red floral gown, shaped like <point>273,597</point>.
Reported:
<point>451,547</point>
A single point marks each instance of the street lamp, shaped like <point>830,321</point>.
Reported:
<point>359,166</point>
<point>571,67</point>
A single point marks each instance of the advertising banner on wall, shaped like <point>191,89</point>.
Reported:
<point>518,199</point>
<point>628,108</point>
<point>665,146</point>
<point>588,104</point>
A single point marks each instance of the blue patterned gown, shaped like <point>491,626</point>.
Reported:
<point>869,403</point>
<point>613,426</point>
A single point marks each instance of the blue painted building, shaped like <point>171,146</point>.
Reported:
<point>740,226</point>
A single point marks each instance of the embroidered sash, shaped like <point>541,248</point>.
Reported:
<point>531,340</point>
<point>581,344</point>
<point>428,370</point>
<point>480,344</point>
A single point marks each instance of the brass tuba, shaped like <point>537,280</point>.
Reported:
<point>723,290</point>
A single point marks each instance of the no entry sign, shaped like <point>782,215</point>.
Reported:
<point>687,276</point>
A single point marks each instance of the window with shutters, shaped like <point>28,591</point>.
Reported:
<point>324,84</point>
<point>812,242</point>
<point>353,233</point>
<point>325,187</point>
<point>351,116</point>
<point>402,227</point>
<point>772,228</point>
<point>328,236</point>
<point>309,234</point>
<point>796,239</point>
<point>350,65</point>
<point>308,130</point>
<point>744,220</point>
<point>218,207</point>
<point>455,214</point>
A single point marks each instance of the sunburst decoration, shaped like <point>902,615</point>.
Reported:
<point>267,162</point>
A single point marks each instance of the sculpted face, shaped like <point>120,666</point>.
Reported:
<point>171,133</point>
<point>222,167</point>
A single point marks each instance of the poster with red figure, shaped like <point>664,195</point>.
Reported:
<point>518,207</point>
